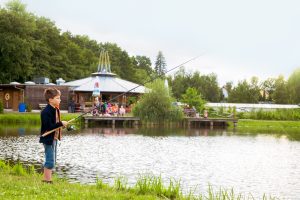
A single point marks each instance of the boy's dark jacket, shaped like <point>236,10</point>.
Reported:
<point>48,121</point>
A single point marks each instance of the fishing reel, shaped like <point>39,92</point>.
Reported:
<point>71,128</point>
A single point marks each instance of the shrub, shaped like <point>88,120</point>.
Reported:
<point>156,104</point>
<point>193,99</point>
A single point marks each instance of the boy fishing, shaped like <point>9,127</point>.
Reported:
<point>50,119</point>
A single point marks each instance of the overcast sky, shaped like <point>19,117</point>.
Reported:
<point>240,39</point>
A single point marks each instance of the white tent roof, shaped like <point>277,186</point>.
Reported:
<point>108,83</point>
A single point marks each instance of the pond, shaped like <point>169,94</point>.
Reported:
<point>248,162</point>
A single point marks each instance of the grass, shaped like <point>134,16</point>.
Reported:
<point>290,129</point>
<point>243,123</point>
<point>278,114</point>
<point>19,182</point>
<point>271,125</point>
<point>31,118</point>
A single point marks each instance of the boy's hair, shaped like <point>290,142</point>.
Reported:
<point>50,93</point>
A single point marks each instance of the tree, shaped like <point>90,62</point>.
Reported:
<point>16,42</point>
<point>207,85</point>
<point>193,99</point>
<point>144,63</point>
<point>293,85</point>
<point>268,87</point>
<point>254,90</point>
<point>160,64</point>
<point>156,104</point>
<point>280,94</point>
<point>32,46</point>
<point>245,92</point>
<point>179,83</point>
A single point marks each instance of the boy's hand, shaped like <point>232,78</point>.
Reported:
<point>65,123</point>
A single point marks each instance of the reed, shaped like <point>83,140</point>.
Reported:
<point>278,114</point>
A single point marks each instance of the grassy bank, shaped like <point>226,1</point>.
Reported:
<point>271,125</point>
<point>289,129</point>
<point>31,118</point>
<point>17,182</point>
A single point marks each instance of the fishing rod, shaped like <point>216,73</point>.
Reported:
<point>194,58</point>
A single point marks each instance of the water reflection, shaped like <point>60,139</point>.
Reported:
<point>158,131</point>
<point>18,130</point>
<point>248,162</point>
<point>27,129</point>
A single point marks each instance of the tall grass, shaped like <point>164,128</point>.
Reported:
<point>278,114</point>
<point>17,169</point>
<point>121,183</point>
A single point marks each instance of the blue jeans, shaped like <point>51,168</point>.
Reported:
<point>50,155</point>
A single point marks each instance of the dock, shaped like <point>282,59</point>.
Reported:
<point>209,122</point>
<point>135,121</point>
<point>112,120</point>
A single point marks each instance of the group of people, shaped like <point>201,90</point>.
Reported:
<point>107,109</point>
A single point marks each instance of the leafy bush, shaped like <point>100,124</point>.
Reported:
<point>193,99</point>
<point>156,105</point>
<point>131,100</point>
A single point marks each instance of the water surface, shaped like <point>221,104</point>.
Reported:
<point>253,163</point>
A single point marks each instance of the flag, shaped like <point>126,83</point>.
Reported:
<point>96,91</point>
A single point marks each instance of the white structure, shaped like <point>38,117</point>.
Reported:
<point>248,107</point>
<point>109,86</point>
<point>108,83</point>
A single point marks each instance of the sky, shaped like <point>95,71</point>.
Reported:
<point>237,39</point>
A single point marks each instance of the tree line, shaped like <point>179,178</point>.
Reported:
<point>32,46</point>
<point>272,90</point>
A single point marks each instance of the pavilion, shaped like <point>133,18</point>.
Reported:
<point>112,88</point>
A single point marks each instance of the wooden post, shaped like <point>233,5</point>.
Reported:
<point>189,124</point>
<point>235,124</point>
<point>211,124</point>
<point>135,124</point>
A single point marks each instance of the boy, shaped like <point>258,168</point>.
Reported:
<point>50,119</point>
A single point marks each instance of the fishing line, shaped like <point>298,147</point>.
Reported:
<point>152,79</point>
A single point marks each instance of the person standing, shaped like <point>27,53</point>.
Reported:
<point>50,119</point>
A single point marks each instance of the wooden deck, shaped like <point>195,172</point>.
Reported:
<point>188,121</point>
<point>200,122</point>
<point>133,121</point>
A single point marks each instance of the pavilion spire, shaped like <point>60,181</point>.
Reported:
<point>104,62</point>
